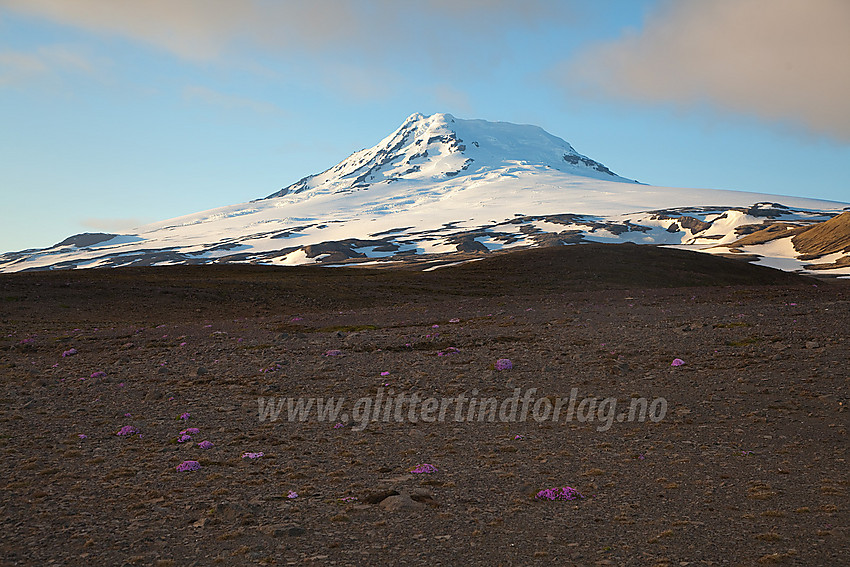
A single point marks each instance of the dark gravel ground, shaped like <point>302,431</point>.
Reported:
<point>747,466</point>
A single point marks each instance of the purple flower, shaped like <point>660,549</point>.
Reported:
<point>677,362</point>
<point>98,374</point>
<point>127,430</point>
<point>296,319</point>
<point>69,352</point>
<point>292,494</point>
<point>205,445</point>
<point>128,415</point>
<point>188,466</point>
<point>424,468</point>
<point>184,438</point>
<point>385,373</point>
<point>435,326</point>
<point>83,436</point>
<point>333,352</point>
<point>338,425</point>
<point>455,320</point>
<point>185,416</point>
<point>518,437</point>
<point>190,431</point>
<point>252,455</point>
<point>563,493</point>
<point>504,364</point>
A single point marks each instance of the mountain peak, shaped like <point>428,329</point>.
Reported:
<point>441,190</point>
<point>440,146</point>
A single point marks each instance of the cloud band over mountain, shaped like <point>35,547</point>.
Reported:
<point>779,60</point>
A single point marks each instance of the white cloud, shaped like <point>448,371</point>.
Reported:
<point>361,48</point>
<point>780,60</point>
<point>216,98</point>
<point>206,29</point>
<point>46,62</point>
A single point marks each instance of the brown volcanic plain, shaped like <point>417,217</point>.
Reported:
<point>747,467</point>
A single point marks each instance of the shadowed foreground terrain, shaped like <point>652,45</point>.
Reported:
<point>746,466</point>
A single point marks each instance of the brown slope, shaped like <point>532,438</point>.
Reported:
<point>770,232</point>
<point>824,238</point>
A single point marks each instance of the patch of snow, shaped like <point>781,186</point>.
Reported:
<point>432,268</point>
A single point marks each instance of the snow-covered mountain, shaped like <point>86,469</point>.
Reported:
<point>440,190</point>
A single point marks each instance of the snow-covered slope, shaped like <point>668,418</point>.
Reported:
<point>441,185</point>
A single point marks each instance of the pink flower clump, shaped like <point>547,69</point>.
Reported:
<point>188,466</point>
<point>252,455</point>
<point>563,493</point>
<point>424,468</point>
<point>98,374</point>
<point>185,416</point>
<point>205,445</point>
<point>127,430</point>
<point>292,494</point>
<point>504,364</point>
<point>190,431</point>
<point>333,352</point>
<point>184,438</point>
<point>69,352</point>
<point>677,362</point>
<point>448,351</point>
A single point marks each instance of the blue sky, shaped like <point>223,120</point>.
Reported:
<point>115,114</point>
